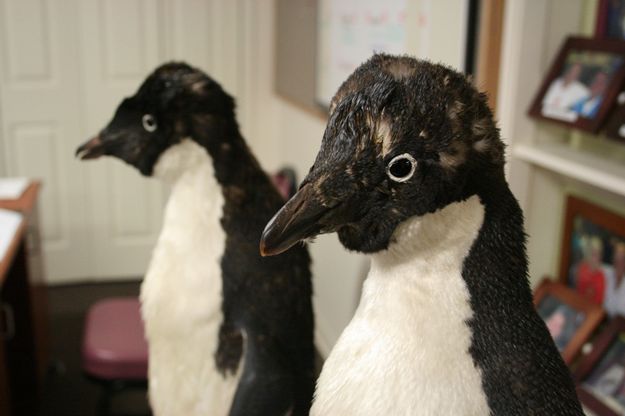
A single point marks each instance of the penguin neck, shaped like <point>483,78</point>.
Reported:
<point>427,240</point>
<point>418,282</point>
<point>496,267</point>
<point>413,312</point>
<point>233,162</point>
<point>195,193</point>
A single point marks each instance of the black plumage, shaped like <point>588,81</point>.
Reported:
<point>266,301</point>
<point>394,114</point>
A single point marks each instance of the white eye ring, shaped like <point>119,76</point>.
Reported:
<point>404,177</point>
<point>149,122</point>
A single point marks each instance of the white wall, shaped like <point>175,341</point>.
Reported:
<point>439,30</point>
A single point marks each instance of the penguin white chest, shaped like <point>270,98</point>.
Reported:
<point>182,291</point>
<point>406,351</point>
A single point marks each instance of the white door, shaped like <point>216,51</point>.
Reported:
<point>41,121</point>
<point>65,65</point>
<point>119,46</point>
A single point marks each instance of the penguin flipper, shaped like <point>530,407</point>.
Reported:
<point>262,397</point>
<point>265,387</point>
<point>229,349</point>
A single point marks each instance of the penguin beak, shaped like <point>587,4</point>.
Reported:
<point>300,218</point>
<point>91,149</point>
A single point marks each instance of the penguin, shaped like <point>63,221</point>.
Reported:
<point>411,172</point>
<point>229,332</point>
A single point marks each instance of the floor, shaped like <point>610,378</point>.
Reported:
<point>67,392</point>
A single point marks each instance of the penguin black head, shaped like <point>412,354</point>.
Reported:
<point>405,137</point>
<point>159,116</point>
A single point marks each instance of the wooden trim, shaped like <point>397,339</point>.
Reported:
<point>489,49</point>
<point>594,314</point>
<point>24,203</point>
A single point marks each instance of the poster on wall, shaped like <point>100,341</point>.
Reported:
<point>349,32</point>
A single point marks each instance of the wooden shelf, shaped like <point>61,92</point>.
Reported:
<point>582,166</point>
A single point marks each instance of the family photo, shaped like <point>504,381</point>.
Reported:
<point>597,266</point>
<point>582,83</point>
<point>580,88</point>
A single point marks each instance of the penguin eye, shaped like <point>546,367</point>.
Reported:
<point>401,168</point>
<point>149,122</point>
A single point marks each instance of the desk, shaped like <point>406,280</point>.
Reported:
<point>24,355</point>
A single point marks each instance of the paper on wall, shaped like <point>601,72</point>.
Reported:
<point>349,31</point>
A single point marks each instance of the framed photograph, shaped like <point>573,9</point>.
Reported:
<point>615,126</point>
<point>582,83</point>
<point>570,318</point>
<point>593,254</point>
<point>610,19</point>
<point>600,377</point>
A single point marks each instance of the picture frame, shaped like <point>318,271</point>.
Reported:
<point>592,260</point>
<point>615,126</point>
<point>610,19</point>
<point>582,83</point>
<point>600,375</point>
<point>571,319</point>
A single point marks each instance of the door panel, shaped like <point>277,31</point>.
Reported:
<point>118,48</point>
<point>64,67</point>
<point>39,101</point>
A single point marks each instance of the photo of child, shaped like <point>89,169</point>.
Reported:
<point>562,321</point>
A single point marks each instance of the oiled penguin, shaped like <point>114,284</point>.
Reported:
<point>229,332</point>
<point>411,172</point>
